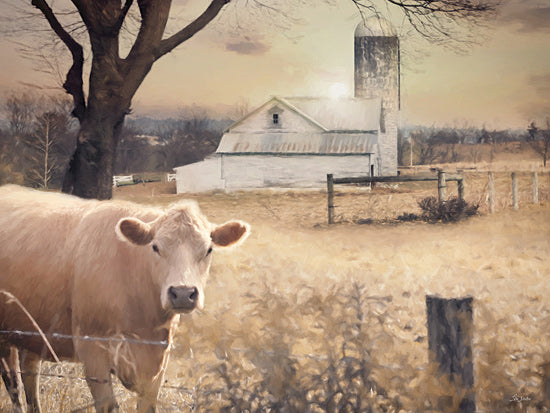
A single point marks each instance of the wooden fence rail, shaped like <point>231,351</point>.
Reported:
<point>442,178</point>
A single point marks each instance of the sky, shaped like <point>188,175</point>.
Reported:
<point>245,57</point>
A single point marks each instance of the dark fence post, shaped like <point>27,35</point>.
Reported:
<point>461,188</point>
<point>441,186</point>
<point>330,191</point>
<point>450,330</point>
<point>545,384</point>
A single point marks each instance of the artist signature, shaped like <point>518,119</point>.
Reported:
<point>518,399</point>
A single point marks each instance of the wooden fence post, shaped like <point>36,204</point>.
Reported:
<point>545,384</point>
<point>450,331</point>
<point>491,187</point>
<point>535,188</point>
<point>330,191</point>
<point>461,191</point>
<point>515,201</point>
<point>441,186</point>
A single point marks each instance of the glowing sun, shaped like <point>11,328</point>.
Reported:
<point>337,90</point>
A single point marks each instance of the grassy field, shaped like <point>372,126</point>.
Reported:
<point>311,317</point>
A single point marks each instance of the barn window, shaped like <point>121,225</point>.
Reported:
<point>275,118</point>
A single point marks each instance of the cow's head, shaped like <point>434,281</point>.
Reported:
<point>181,243</point>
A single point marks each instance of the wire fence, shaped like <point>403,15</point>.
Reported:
<point>61,371</point>
<point>59,336</point>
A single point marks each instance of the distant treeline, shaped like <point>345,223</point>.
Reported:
<point>428,145</point>
<point>38,135</point>
<point>158,145</point>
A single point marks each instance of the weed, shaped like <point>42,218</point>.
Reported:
<point>451,210</point>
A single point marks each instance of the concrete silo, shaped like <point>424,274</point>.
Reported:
<point>377,75</point>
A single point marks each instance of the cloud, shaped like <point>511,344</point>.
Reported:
<point>529,19</point>
<point>247,47</point>
<point>541,84</point>
<point>538,106</point>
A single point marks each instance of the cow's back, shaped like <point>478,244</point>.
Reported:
<point>34,265</point>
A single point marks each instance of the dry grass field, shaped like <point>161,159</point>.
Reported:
<point>311,317</point>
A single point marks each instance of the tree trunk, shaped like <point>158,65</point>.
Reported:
<point>113,81</point>
<point>90,172</point>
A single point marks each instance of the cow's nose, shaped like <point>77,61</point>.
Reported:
<point>183,298</point>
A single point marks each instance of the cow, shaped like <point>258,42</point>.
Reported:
<point>98,282</point>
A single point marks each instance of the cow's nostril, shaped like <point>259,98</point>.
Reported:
<point>194,294</point>
<point>183,298</point>
<point>172,293</point>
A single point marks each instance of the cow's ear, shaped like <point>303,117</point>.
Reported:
<point>134,231</point>
<point>230,233</point>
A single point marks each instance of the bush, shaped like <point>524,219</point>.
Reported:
<point>332,366</point>
<point>451,210</point>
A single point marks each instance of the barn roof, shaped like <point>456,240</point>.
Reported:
<point>329,115</point>
<point>298,143</point>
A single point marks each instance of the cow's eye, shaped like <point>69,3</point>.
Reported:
<point>156,249</point>
<point>209,251</point>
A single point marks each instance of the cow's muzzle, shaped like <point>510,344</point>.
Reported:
<point>183,298</point>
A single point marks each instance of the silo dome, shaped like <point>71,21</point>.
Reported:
<point>375,27</point>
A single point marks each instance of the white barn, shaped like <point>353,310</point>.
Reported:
<point>295,142</point>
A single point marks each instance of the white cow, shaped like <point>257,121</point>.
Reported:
<point>107,269</point>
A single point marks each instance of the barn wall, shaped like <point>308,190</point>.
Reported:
<point>200,176</point>
<point>256,171</point>
<point>234,172</point>
<point>262,121</point>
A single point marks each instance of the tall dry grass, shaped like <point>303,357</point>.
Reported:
<point>289,299</point>
<point>310,317</point>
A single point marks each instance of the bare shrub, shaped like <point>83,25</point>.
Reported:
<point>336,370</point>
<point>451,210</point>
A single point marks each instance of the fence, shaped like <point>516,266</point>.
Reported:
<point>515,191</point>
<point>488,189</point>
<point>122,179</point>
<point>450,349</point>
<point>442,178</point>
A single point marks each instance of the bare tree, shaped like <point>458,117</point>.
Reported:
<point>539,140</point>
<point>114,79</point>
<point>475,153</point>
<point>438,21</point>
<point>43,164</point>
<point>20,110</point>
<point>240,109</point>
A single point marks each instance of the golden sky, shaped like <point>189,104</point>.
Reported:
<point>502,82</point>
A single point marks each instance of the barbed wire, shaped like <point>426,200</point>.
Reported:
<point>60,336</point>
<point>185,392</point>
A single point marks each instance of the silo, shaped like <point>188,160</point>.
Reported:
<point>377,61</point>
<point>377,75</point>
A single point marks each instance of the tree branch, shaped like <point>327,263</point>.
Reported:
<point>123,13</point>
<point>73,80</point>
<point>169,44</point>
<point>434,19</point>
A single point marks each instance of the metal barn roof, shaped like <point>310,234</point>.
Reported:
<point>343,114</point>
<point>298,143</point>
<point>329,115</point>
